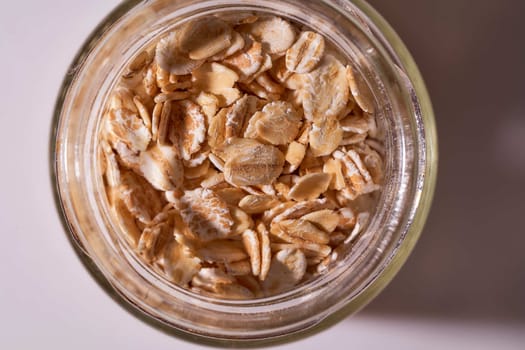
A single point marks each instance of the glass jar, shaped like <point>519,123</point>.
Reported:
<point>405,117</point>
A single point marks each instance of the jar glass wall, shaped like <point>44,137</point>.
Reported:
<point>404,115</point>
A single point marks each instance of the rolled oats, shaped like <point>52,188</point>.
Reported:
<point>214,78</point>
<point>266,251</point>
<point>217,130</point>
<point>237,155</point>
<point>304,134</point>
<point>161,167</point>
<point>326,90</point>
<point>296,210</point>
<point>251,131</point>
<point>310,187</point>
<point>208,278</point>
<point>361,221</point>
<point>139,196</point>
<point>296,83</point>
<point>325,219</point>
<point>266,65</point>
<point>304,230</point>
<point>248,61</point>
<point>204,38</point>
<point>146,245</point>
<point>307,247</point>
<point>125,219</point>
<point>217,282</point>
<point>279,72</point>
<point>374,164</point>
<point>143,111</point>
<point>197,158</point>
<point>170,58</point>
<point>238,268</point>
<point>139,63</point>
<point>222,251</point>
<point>360,90</point>
<point>279,123</point>
<point>178,85</point>
<point>253,164</point>
<point>337,238</point>
<point>171,96</point>
<point>164,125</point>
<point>287,269</point>
<point>231,195</point>
<point>111,168</point>
<point>283,189</point>
<point>197,172</point>
<point>276,34</point>
<point>325,137</point>
<point>267,82</point>
<point>258,90</point>
<point>156,115</point>
<point>350,138</point>
<point>267,189</point>
<point>213,179</point>
<point>294,155</point>
<point>189,128</point>
<point>270,214</point>
<point>347,218</point>
<point>358,179</point>
<point>238,114</point>
<point>252,245</point>
<point>356,124</point>
<point>253,190</point>
<point>228,96</point>
<point>180,265</point>
<point>206,214</point>
<point>126,126</point>
<point>150,81</point>
<point>122,98</point>
<point>257,204</point>
<point>237,44</point>
<point>209,104</point>
<point>306,53</point>
<point>162,76</point>
<point>217,162</point>
<point>334,167</point>
<point>241,221</point>
<point>251,283</point>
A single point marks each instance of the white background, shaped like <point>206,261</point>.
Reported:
<point>462,289</point>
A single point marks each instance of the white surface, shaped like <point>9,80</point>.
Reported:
<point>47,299</point>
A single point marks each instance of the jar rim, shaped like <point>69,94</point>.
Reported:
<point>426,177</point>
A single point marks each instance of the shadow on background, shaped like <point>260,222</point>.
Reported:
<point>470,261</point>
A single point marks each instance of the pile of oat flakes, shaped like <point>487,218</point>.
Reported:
<point>233,153</point>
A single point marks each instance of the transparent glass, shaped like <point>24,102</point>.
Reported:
<point>406,120</point>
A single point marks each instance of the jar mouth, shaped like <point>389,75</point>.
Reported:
<point>380,243</point>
